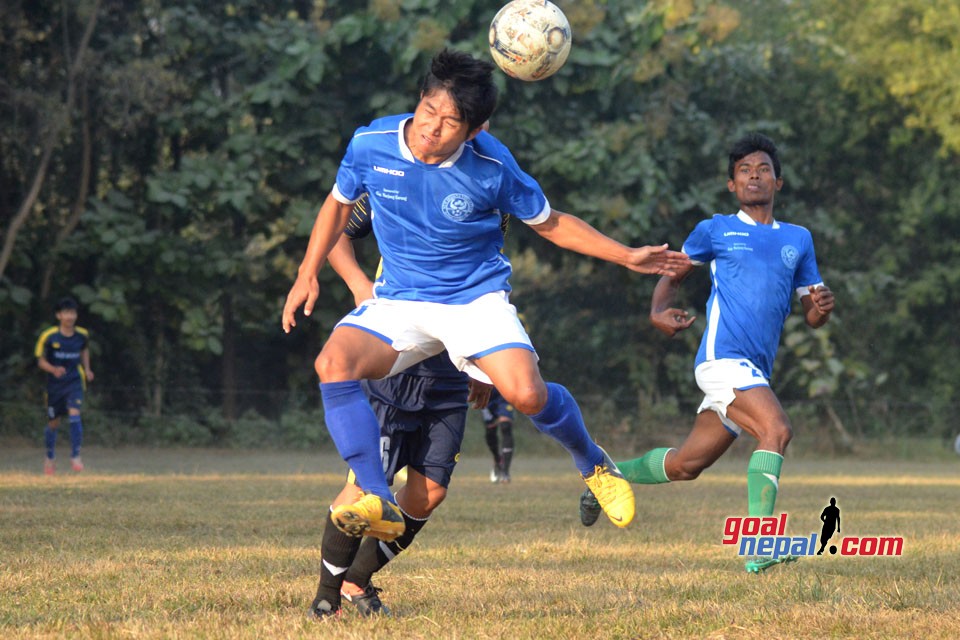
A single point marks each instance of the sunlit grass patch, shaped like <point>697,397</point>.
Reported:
<point>227,546</point>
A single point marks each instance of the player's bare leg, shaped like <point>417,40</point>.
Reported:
<point>553,410</point>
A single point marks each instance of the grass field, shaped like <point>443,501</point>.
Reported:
<point>214,544</point>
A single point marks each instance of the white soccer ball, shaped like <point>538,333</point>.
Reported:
<point>530,39</point>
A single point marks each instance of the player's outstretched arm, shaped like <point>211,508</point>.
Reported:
<point>327,229</point>
<point>571,233</point>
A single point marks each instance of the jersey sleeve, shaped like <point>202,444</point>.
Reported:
<point>699,244</point>
<point>807,273</point>
<point>41,346</point>
<point>360,223</point>
<point>40,350</point>
<point>349,185</point>
<point>520,194</point>
<point>83,333</point>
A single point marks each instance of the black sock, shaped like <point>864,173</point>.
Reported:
<point>506,433</point>
<point>337,552</point>
<point>490,435</point>
<point>375,554</point>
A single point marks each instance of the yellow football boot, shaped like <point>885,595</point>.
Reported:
<point>612,491</point>
<point>371,515</point>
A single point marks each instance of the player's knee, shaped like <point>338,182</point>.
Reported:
<point>434,498</point>
<point>529,400</point>
<point>331,369</point>
<point>781,436</point>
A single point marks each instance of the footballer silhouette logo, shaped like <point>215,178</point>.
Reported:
<point>830,517</point>
<point>767,537</point>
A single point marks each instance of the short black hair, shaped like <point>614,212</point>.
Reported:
<point>65,303</point>
<point>750,143</point>
<point>468,80</point>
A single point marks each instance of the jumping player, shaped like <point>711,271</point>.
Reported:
<point>422,412</point>
<point>757,264</point>
<point>62,352</point>
<point>437,183</point>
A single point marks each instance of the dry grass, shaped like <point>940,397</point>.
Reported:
<point>210,544</point>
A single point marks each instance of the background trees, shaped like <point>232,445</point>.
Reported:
<point>163,163</point>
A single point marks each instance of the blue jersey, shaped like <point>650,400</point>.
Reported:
<point>754,270</point>
<point>63,351</point>
<point>431,385</point>
<point>438,225</point>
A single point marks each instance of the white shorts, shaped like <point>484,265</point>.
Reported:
<point>719,378</point>
<point>418,330</point>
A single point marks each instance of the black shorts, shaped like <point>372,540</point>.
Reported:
<point>497,408</point>
<point>63,397</point>
<point>422,421</point>
<point>431,450</point>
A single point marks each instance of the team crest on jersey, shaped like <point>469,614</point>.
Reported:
<point>457,206</point>
<point>789,255</point>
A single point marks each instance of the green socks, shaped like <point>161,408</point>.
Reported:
<point>763,480</point>
<point>647,469</point>
<point>763,476</point>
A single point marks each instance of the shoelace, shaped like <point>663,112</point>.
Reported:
<point>605,480</point>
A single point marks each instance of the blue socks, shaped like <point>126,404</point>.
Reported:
<point>560,419</point>
<point>76,435</point>
<point>355,431</point>
<point>76,438</point>
<point>50,438</point>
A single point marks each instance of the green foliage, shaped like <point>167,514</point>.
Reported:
<point>909,48</point>
<point>216,129</point>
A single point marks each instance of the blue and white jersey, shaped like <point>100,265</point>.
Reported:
<point>438,225</point>
<point>754,269</point>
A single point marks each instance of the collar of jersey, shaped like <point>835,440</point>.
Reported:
<point>408,155</point>
<point>745,219</point>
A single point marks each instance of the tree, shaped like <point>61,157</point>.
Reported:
<point>909,48</point>
<point>54,129</point>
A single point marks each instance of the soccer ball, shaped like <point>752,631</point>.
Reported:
<point>530,39</point>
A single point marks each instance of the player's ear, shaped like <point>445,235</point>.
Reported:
<point>731,186</point>
<point>473,134</point>
<point>779,183</point>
